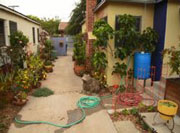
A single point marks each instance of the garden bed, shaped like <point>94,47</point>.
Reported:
<point>7,116</point>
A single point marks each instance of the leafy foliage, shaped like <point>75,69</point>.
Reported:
<point>174,59</point>
<point>17,51</point>
<point>78,15</point>
<point>127,36</point>
<point>49,24</point>
<point>79,50</point>
<point>6,81</point>
<point>24,78</point>
<point>120,69</point>
<point>103,32</point>
<point>99,61</point>
<point>148,40</point>
<point>35,65</point>
<point>42,92</point>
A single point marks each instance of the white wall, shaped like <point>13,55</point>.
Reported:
<point>22,25</point>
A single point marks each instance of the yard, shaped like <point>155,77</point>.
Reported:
<point>120,76</point>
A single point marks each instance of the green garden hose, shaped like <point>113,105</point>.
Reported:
<point>86,102</point>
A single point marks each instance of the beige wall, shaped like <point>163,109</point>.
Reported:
<point>172,37</point>
<point>22,25</point>
<point>111,10</point>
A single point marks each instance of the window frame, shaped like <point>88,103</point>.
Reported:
<point>12,29</point>
<point>38,34</point>
<point>34,35</point>
<point>116,28</point>
<point>3,34</point>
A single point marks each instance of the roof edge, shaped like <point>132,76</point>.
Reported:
<point>133,1</point>
<point>5,8</point>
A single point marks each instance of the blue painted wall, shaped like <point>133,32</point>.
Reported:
<point>160,26</point>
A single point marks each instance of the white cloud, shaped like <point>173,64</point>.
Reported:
<point>44,8</point>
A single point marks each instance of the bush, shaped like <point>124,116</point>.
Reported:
<point>42,92</point>
<point>79,50</point>
<point>17,51</point>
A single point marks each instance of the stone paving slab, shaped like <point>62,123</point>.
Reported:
<point>125,127</point>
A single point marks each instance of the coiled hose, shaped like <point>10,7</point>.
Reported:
<point>86,102</point>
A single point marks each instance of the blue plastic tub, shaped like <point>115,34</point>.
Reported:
<point>142,65</point>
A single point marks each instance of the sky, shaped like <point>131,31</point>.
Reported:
<point>44,8</point>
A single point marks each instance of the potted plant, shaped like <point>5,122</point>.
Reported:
<point>173,84</point>
<point>79,55</point>
<point>142,59</point>
<point>167,109</point>
<point>48,66</point>
<point>20,99</point>
<point>6,83</point>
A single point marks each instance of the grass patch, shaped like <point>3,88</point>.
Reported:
<point>42,92</point>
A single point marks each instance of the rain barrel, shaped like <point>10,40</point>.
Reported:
<point>142,65</point>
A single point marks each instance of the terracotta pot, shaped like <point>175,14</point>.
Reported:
<point>38,85</point>
<point>79,69</point>
<point>48,69</point>
<point>20,102</point>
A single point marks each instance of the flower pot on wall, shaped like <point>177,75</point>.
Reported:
<point>142,65</point>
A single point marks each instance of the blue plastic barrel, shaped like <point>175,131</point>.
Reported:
<point>142,65</point>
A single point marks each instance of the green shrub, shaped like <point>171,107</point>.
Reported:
<point>42,92</point>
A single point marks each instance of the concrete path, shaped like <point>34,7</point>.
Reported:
<point>60,108</point>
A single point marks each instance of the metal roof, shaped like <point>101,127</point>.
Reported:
<point>7,9</point>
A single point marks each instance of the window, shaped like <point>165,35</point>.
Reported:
<point>34,38</point>
<point>138,23</point>
<point>98,1</point>
<point>12,27</point>
<point>117,27</point>
<point>105,18</point>
<point>38,35</point>
<point>2,34</point>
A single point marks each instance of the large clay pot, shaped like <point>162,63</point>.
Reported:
<point>79,69</point>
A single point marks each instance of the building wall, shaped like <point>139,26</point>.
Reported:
<point>22,25</point>
<point>172,28</point>
<point>111,10</point>
<point>84,28</point>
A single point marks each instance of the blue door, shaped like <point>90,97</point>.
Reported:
<point>60,45</point>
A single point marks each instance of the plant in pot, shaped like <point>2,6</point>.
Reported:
<point>142,59</point>
<point>6,83</point>
<point>48,66</point>
<point>79,56</point>
<point>35,65</point>
<point>173,84</point>
<point>24,79</point>
<point>20,99</point>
